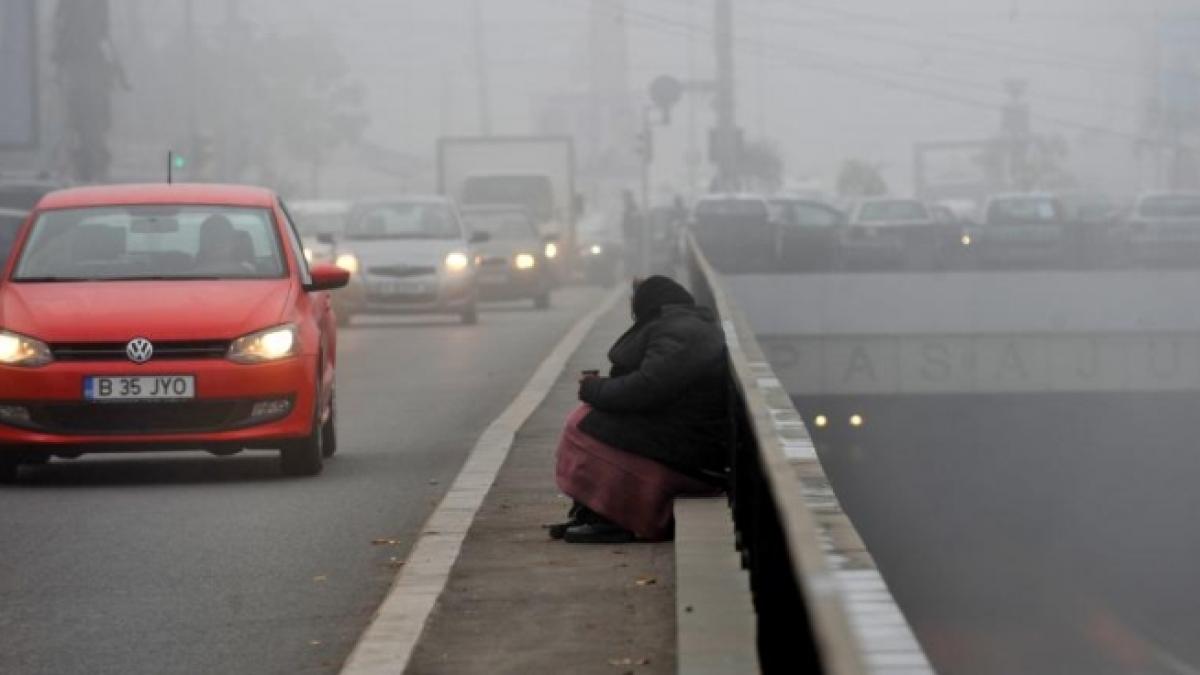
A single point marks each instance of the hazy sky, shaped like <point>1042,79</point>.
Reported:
<point>826,80</point>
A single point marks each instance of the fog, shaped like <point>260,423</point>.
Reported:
<point>1027,369</point>
<point>821,81</point>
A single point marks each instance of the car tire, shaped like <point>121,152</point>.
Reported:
<point>306,456</point>
<point>542,301</point>
<point>329,444</point>
<point>470,314</point>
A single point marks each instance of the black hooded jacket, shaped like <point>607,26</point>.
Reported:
<point>665,398</point>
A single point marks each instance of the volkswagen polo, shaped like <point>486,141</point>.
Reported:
<point>165,317</point>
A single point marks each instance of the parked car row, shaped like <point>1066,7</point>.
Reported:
<point>749,233</point>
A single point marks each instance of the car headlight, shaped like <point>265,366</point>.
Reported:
<point>524,261</point>
<point>551,250</point>
<point>271,344</point>
<point>19,350</point>
<point>596,249</point>
<point>457,262</point>
<point>348,262</point>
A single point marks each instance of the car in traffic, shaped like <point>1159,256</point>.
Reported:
<point>320,222</point>
<point>893,233</point>
<point>1162,229</point>
<point>412,255</point>
<point>1020,229</point>
<point>736,232</point>
<point>600,249</point>
<point>165,317</point>
<point>22,194</point>
<point>809,233</point>
<point>10,222</point>
<point>511,264</point>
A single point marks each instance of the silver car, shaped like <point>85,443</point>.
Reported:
<point>412,255</point>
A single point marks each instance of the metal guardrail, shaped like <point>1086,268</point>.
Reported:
<point>821,605</point>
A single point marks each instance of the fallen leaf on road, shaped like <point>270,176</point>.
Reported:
<point>647,581</point>
<point>320,578</point>
<point>385,542</point>
<point>314,642</point>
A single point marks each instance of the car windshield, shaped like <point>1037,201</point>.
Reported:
<point>9,224</point>
<point>805,214</point>
<point>311,222</point>
<point>534,193</point>
<point>151,242</point>
<point>1024,211</point>
<point>1170,206</point>
<point>731,208</point>
<point>501,226</point>
<point>403,220</point>
<point>892,211</point>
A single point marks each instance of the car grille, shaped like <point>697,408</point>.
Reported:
<point>401,271</point>
<point>143,417</point>
<point>493,262</point>
<point>163,351</point>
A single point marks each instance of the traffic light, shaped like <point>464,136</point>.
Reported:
<point>178,161</point>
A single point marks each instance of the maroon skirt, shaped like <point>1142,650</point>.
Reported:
<point>634,492</point>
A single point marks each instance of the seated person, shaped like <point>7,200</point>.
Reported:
<point>657,427</point>
<point>221,249</point>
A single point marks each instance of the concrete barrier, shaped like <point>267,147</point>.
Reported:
<point>821,604</point>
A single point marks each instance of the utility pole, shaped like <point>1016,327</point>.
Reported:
<point>482,78</point>
<point>189,46</point>
<point>726,138</point>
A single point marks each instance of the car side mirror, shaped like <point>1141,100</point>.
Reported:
<point>326,277</point>
<point>325,238</point>
<point>480,237</point>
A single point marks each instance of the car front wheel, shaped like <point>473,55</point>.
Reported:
<point>329,445</point>
<point>305,456</point>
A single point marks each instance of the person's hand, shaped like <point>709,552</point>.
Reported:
<point>588,375</point>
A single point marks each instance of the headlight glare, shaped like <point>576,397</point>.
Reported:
<point>457,261</point>
<point>19,350</point>
<point>596,249</point>
<point>348,262</point>
<point>524,261</point>
<point>551,250</point>
<point>271,344</point>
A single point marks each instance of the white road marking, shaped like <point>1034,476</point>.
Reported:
<point>387,644</point>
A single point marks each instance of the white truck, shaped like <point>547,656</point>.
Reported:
<point>536,173</point>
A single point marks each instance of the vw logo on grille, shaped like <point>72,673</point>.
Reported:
<point>139,350</point>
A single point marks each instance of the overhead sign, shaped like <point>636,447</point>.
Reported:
<point>18,74</point>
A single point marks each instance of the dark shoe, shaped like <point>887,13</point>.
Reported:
<point>597,533</point>
<point>559,530</point>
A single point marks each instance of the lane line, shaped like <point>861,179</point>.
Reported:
<point>388,642</point>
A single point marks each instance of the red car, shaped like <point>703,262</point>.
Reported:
<point>165,317</point>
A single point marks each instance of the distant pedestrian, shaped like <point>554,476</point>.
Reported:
<point>655,428</point>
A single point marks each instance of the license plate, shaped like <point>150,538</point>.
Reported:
<point>139,388</point>
<point>493,278</point>
<point>398,288</point>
